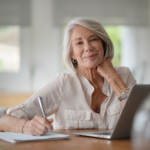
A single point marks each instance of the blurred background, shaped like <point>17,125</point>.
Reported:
<point>31,36</point>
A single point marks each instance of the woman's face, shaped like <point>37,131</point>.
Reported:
<point>87,48</point>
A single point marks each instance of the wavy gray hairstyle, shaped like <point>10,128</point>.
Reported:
<point>94,26</point>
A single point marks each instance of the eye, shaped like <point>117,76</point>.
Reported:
<point>79,43</point>
<point>94,39</point>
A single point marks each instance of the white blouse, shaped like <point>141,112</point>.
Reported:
<point>68,96</point>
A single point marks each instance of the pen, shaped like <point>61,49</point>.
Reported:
<point>42,108</point>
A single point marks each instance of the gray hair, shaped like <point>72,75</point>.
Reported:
<point>94,26</point>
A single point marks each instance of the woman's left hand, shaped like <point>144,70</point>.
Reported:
<point>106,69</point>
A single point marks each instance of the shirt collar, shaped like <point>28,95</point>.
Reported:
<point>106,88</point>
<point>87,85</point>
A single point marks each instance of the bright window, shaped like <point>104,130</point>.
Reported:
<point>9,49</point>
<point>115,34</point>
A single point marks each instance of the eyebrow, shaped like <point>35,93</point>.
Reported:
<point>81,38</point>
<point>93,35</point>
<point>77,39</point>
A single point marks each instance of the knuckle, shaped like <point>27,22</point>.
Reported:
<point>36,117</point>
<point>32,122</point>
<point>30,125</point>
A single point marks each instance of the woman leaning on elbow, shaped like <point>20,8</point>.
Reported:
<point>91,96</point>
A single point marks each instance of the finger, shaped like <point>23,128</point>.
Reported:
<point>36,132</point>
<point>37,128</point>
<point>50,127</point>
<point>50,120</point>
<point>33,130</point>
<point>98,72</point>
<point>41,126</point>
<point>45,122</point>
<point>35,122</point>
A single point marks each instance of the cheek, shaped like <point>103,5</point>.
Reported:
<point>101,50</point>
<point>77,53</point>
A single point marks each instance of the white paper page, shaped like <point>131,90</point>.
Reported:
<point>19,137</point>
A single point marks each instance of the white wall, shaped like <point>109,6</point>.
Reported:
<point>135,50</point>
<point>45,43</point>
<point>114,12</point>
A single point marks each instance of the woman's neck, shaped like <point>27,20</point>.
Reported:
<point>93,77</point>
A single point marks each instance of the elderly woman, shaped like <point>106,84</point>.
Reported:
<point>91,96</point>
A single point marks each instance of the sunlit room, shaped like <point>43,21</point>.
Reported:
<point>31,46</point>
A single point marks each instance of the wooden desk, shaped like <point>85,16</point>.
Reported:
<point>8,100</point>
<point>75,143</point>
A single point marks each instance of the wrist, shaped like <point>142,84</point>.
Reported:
<point>124,94</point>
<point>1,124</point>
<point>113,77</point>
<point>25,128</point>
<point>117,84</point>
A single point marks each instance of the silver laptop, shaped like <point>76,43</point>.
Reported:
<point>123,125</point>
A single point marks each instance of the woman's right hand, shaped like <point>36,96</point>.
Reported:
<point>38,126</point>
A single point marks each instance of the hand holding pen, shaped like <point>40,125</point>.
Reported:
<point>38,125</point>
<point>42,109</point>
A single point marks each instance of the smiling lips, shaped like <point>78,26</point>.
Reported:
<point>90,56</point>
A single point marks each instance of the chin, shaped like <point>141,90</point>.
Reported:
<point>91,66</point>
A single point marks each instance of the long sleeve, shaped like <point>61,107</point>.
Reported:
<point>126,76</point>
<point>51,95</point>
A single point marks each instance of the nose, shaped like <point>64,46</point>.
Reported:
<point>87,46</point>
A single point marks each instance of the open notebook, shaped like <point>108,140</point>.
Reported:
<point>19,137</point>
